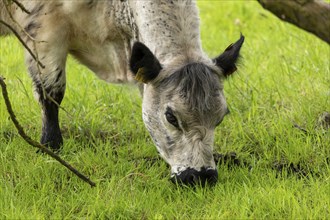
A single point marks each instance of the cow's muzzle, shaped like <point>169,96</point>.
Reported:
<point>192,177</point>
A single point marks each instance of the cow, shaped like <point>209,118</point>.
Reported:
<point>155,43</point>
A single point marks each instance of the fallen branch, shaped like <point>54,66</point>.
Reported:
<point>23,43</point>
<point>310,15</point>
<point>300,128</point>
<point>21,6</point>
<point>35,143</point>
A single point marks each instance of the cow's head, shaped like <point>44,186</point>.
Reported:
<point>182,107</point>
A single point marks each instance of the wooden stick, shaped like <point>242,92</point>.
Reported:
<point>35,143</point>
<point>23,43</point>
<point>21,6</point>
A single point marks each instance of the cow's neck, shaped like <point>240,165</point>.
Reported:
<point>170,30</point>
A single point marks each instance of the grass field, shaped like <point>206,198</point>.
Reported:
<point>280,168</point>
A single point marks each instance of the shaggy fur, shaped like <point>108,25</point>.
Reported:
<point>197,84</point>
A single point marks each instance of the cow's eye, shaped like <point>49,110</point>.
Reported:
<point>218,123</point>
<point>171,118</point>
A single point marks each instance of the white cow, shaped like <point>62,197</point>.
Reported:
<point>157,42</point>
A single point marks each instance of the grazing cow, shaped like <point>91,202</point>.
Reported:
<point>154,42</point>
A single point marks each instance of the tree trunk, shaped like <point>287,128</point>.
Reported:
<point>310,15</point>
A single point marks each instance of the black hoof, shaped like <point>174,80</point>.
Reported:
<point>54,144</point>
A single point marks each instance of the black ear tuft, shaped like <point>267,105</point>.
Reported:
<point>144,65</point>
<point>227,60</point>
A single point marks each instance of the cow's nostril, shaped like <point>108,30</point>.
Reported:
<point>211,176</point>
<point>192,179</point>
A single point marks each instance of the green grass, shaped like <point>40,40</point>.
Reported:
<point>280,171</point>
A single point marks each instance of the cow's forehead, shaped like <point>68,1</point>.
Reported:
<point>197,84</point>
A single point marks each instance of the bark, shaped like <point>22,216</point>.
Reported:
<point>310,15</point>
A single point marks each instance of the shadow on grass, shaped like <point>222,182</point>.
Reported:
<point>301,169</point>
<point>93,138</point>
<point>8,136</point>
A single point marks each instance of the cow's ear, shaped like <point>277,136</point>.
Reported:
<point>143,63</point>
<point>227,60</point>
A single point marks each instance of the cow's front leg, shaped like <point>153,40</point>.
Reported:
<point>49,84</point>
<point>51,134</point>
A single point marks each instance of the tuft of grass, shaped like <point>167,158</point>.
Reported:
<point>279,168</point>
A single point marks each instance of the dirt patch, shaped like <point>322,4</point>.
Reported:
<point>8,136</point>
<point>291,168</point>
<point>231,159</point>
<point>324,120</point>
